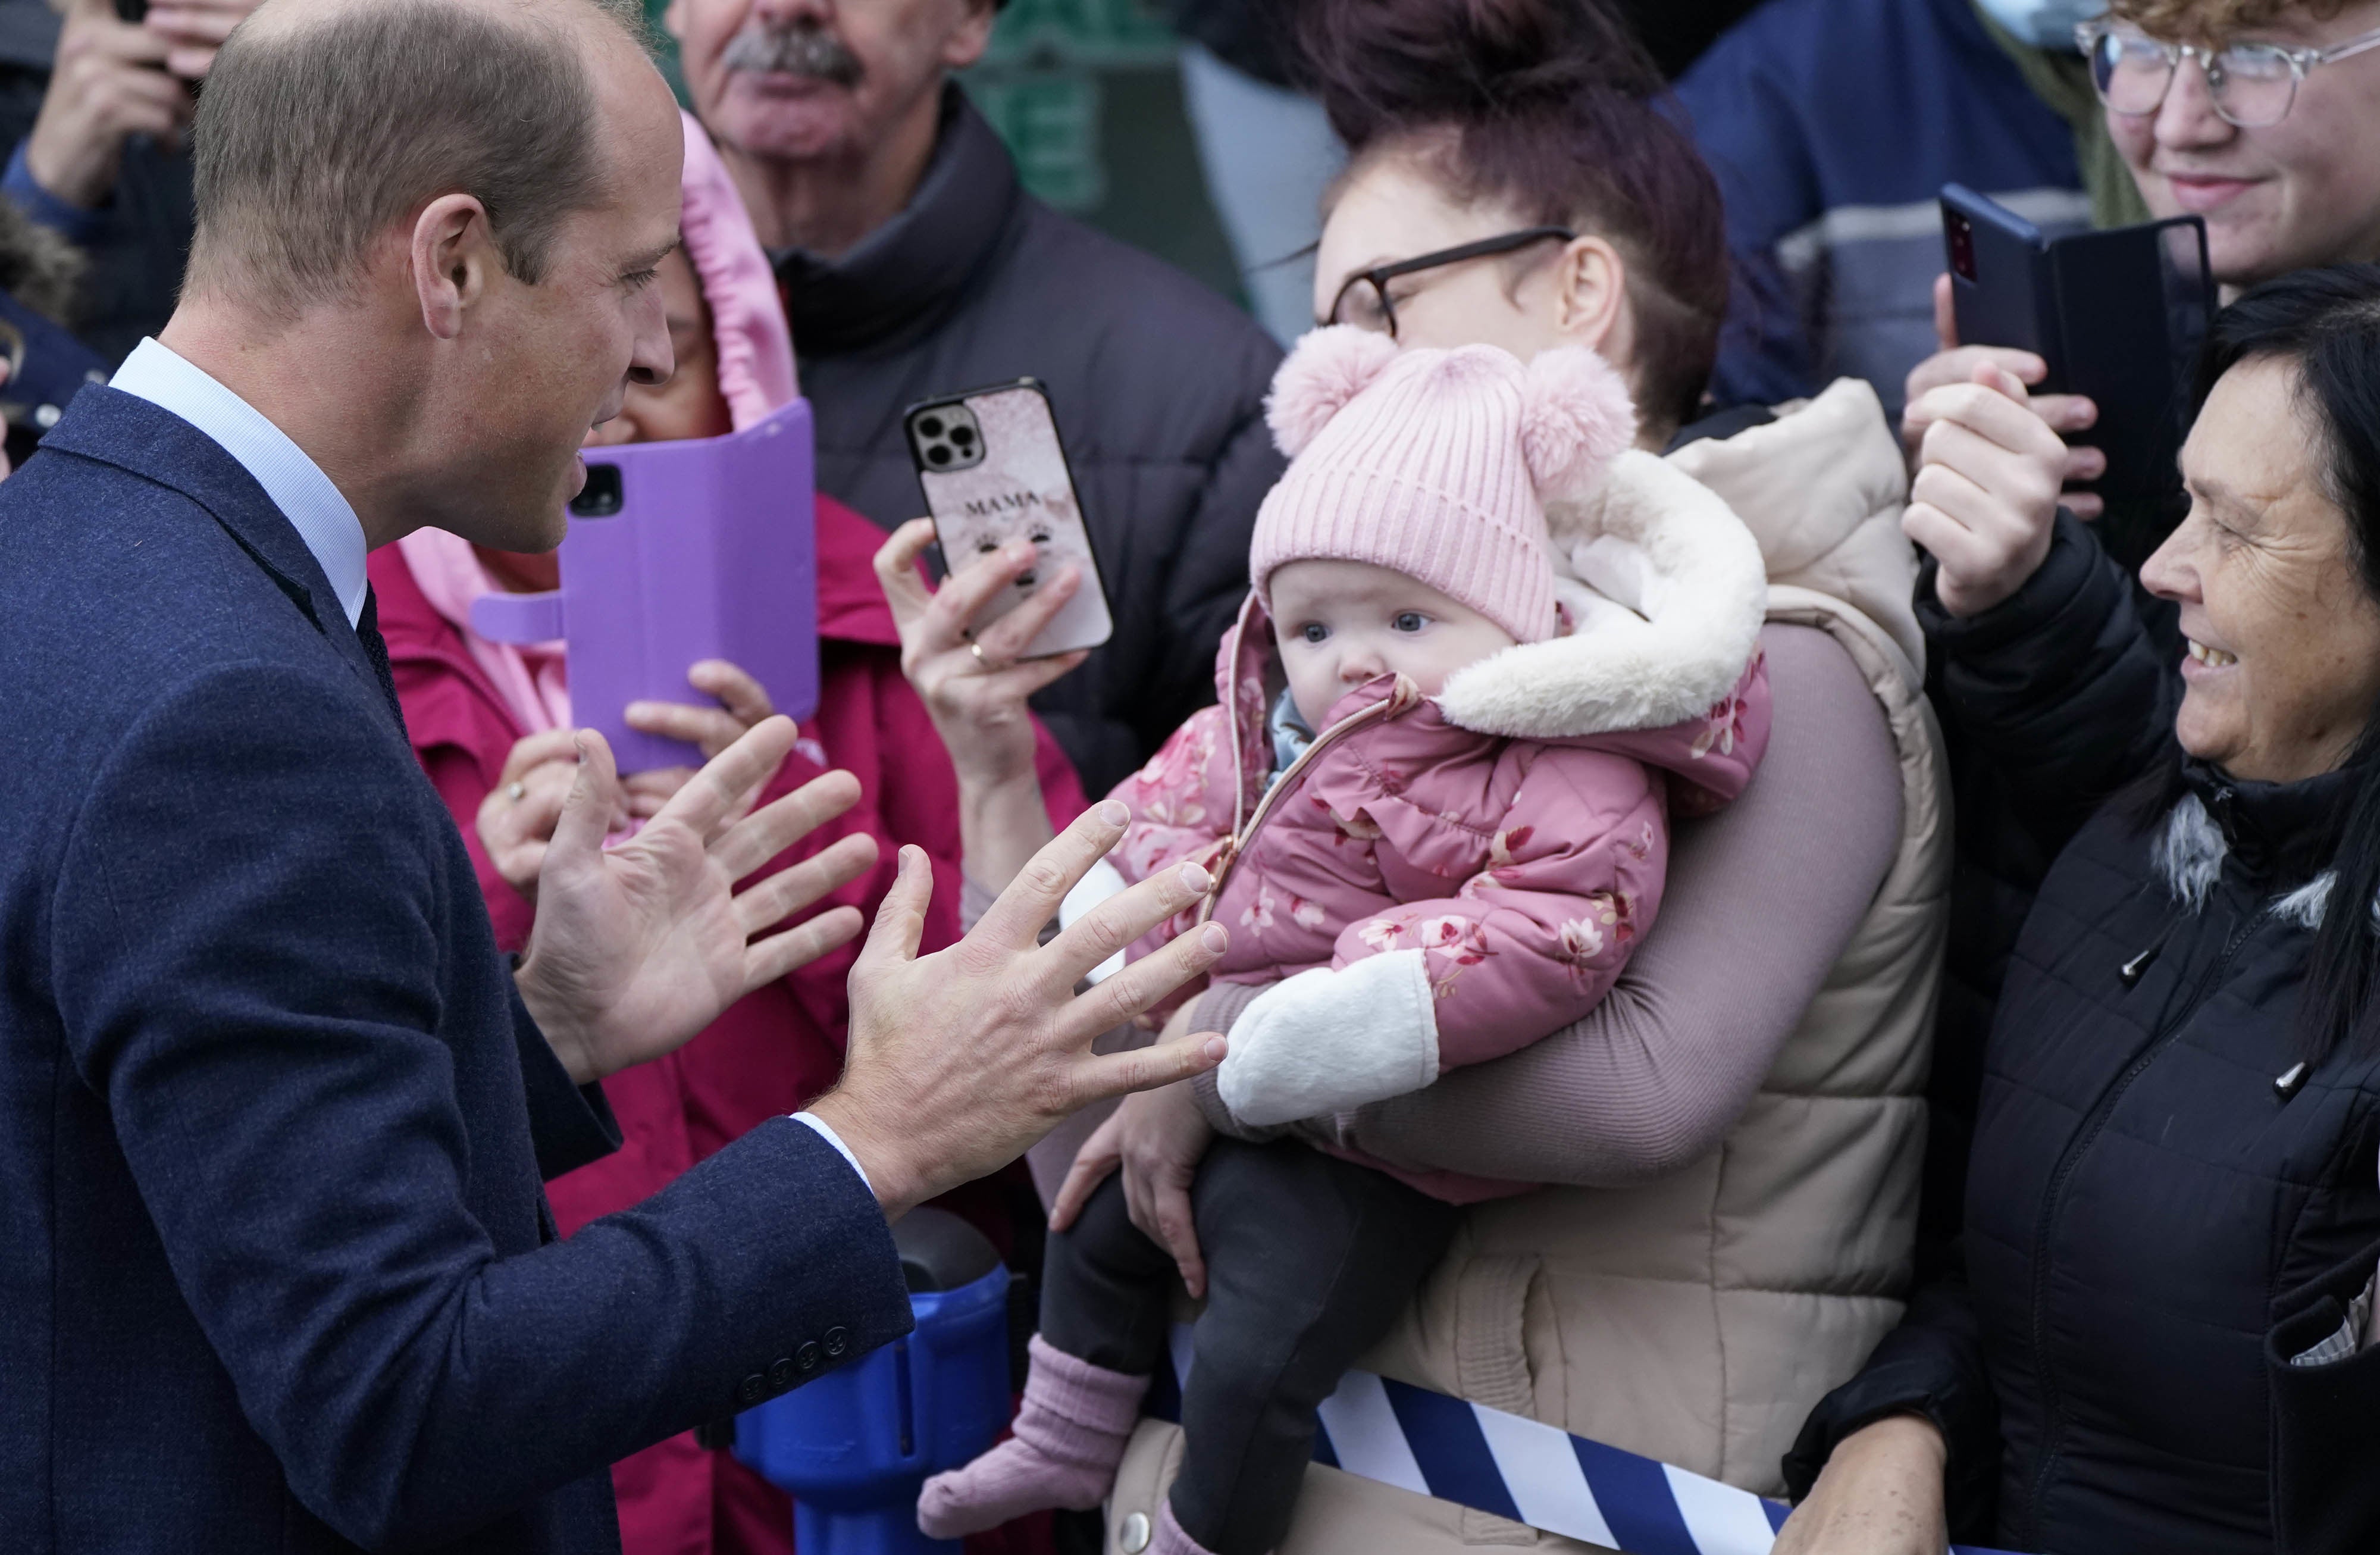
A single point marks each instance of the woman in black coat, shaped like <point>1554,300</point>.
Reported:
<point>2162,1336</point>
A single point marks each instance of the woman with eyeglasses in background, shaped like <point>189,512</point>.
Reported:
<point>1735,1133</point>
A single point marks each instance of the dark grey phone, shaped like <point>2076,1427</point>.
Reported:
<point>2117,315</point>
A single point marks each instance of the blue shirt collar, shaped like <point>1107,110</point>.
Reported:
<point>297,485</point>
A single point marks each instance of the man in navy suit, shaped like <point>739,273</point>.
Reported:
<point>275,1266</point>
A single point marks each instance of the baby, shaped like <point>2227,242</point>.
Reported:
<point>1435,801</point>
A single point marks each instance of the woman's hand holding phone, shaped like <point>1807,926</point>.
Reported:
<point>1986,495</point>
<point>974,685</point>
<point>1955,364</point>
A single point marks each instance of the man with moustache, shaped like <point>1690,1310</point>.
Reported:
<point>914,263</point>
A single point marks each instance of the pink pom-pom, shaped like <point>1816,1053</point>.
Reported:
<point>1325,370</point>
<point>1576,416</point>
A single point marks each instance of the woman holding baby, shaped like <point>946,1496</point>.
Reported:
<point>1497,705</point>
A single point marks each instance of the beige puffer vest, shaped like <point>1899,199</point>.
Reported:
<point>1696,1319</point>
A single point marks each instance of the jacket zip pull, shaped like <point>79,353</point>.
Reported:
<point>2130,972</point>
<point>2287,1083</point>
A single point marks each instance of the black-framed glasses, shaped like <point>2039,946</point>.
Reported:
<point>2253,85</point>
<point>1364,300</point>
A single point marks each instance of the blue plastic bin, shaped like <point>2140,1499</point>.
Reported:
<point>854,1446</point>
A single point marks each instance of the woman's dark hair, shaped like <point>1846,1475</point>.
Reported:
<point>2326,325</point>
<point>1553,106</point>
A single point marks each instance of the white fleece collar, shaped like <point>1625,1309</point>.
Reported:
<point>1661,543</point>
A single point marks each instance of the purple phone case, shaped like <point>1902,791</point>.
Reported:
<point>713,554</point>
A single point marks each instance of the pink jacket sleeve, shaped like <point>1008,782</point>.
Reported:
<point>1181,804</point>
<point>1532,943</point>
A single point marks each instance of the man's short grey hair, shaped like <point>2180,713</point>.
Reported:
<point>313,139</point>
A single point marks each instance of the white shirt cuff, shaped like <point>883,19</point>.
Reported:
<point>832,1138</point>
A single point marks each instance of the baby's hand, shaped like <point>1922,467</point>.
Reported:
<point>1326,1042</point>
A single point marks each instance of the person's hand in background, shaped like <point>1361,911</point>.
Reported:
<point>975,688</point>
<point>1879,1494</point>
<point>740,703</point>
<point>194,30</point>
<point>1955,364</point>
<point>517,817</point>
<point>1986,495</point>
<point>960,1060</point>
<point>111,82</point>
<point>639,946</point>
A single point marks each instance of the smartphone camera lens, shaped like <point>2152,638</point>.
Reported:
<point>946,438</point>
<point>1963,247</point>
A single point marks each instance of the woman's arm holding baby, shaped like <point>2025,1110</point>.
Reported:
<point>1760,901</point>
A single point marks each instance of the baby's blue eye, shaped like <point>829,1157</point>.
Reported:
<point>1315,631</point>
<point>1410,621</point>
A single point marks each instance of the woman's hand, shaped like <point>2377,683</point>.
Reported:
<point>1879,1494</point>
<point>1158,1137</point>
<point>1957,364</point>
<point>1987,491</point>
<point>517,817</point>
<point>975,686</point>
<point>741,703</point>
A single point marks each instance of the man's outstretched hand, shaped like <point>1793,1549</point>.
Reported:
<point>638,947</point>
<point>960,1060</point>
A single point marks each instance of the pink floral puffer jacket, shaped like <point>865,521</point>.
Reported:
<point>1521,872</point>
<point>1441,880</point>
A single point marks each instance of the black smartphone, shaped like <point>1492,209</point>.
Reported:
<point>2117,315</point>
<point>133,11</point>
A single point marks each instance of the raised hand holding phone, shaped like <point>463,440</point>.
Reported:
<point>994,474</point>
<point>1986,495</point>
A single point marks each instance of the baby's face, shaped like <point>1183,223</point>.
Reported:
<point>1341,623</point>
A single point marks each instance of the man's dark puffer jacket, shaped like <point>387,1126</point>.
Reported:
<point>2155,1220</point>
<point>1157,384</point>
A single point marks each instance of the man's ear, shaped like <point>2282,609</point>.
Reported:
<point>454,258</point>
<point>970,38</point>
<point>1591,295</point>
<point>674,21</point>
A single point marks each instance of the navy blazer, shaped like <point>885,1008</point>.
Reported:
<point>278,1269</point>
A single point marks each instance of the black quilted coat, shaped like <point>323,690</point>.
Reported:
<point>2163,1207</point>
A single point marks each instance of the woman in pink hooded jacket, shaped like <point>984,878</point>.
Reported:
<point>491,724</point>
<point>1431,852</point>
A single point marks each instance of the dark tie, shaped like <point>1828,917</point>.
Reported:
<point>376,650</point>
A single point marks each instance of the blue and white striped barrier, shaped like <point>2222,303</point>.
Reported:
<point>1434,1444</point>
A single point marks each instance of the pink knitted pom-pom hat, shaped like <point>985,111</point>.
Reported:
<point>1437,464</point>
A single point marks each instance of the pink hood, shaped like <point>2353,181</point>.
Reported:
<point>756,376</point>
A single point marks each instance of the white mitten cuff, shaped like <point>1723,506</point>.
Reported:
<point>1100,882</point>
<point>1326,1042</point>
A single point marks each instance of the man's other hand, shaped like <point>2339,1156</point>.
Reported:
<point>960,1060</point>
<point>638,947</point>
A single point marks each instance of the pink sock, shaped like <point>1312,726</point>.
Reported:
<point>1070,1435</point>
<point>1169,1538</point>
